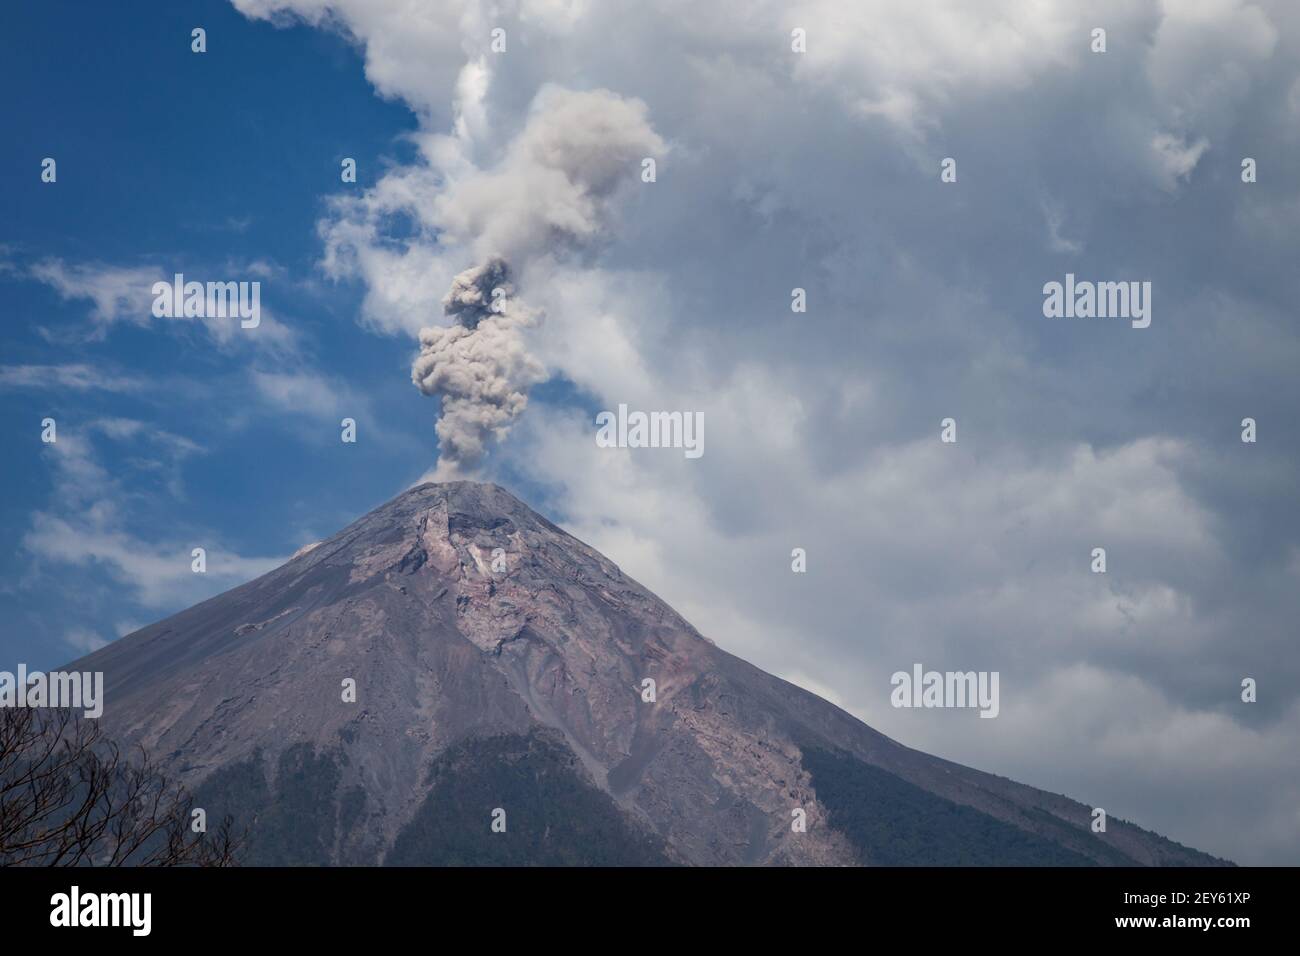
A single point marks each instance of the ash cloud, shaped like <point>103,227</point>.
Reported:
<point>555,186</point>
<point>469,300</point>
<point>480,365</point>
<point>551,193</point>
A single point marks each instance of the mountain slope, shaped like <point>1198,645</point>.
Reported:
<point>520,689</point>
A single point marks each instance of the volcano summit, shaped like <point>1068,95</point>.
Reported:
<point>499,716</point>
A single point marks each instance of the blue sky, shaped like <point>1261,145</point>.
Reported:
<point>205,164</point>
<point>776,170</point>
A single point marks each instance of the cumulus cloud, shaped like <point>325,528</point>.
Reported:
<point>986,569</point>
<point>412,50</point>
<point>820,170</point>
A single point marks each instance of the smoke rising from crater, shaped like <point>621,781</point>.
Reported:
<point>479,365</point>
<point>551,194</point>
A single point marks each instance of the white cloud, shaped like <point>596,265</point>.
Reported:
<point>1175,158</point>
<point>1205,52</point>
<point>926,554</point>
<point>125,294</point>
<point>304,393</point>
<point>157,575</point>
<point>76,376</point>
<point>87,520</point>
<point>118,294</point>
<point>1054,215</point>
<point>555,179</point>
<point>551,191</point>
<point>820,171</point>
<point>84,640</point>
<point>412,50</point>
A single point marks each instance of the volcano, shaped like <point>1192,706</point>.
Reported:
<point>454,680</point>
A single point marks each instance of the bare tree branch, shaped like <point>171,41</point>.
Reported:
<point>69,797</point>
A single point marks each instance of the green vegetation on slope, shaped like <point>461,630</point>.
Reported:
<point>292,826</point>
<point>553,816</point>
<point>894,823</point>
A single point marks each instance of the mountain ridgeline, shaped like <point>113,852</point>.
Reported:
<point>498,719</point>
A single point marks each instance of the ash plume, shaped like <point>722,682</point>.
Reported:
<point>553,190</point>
<point>480,365</point>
